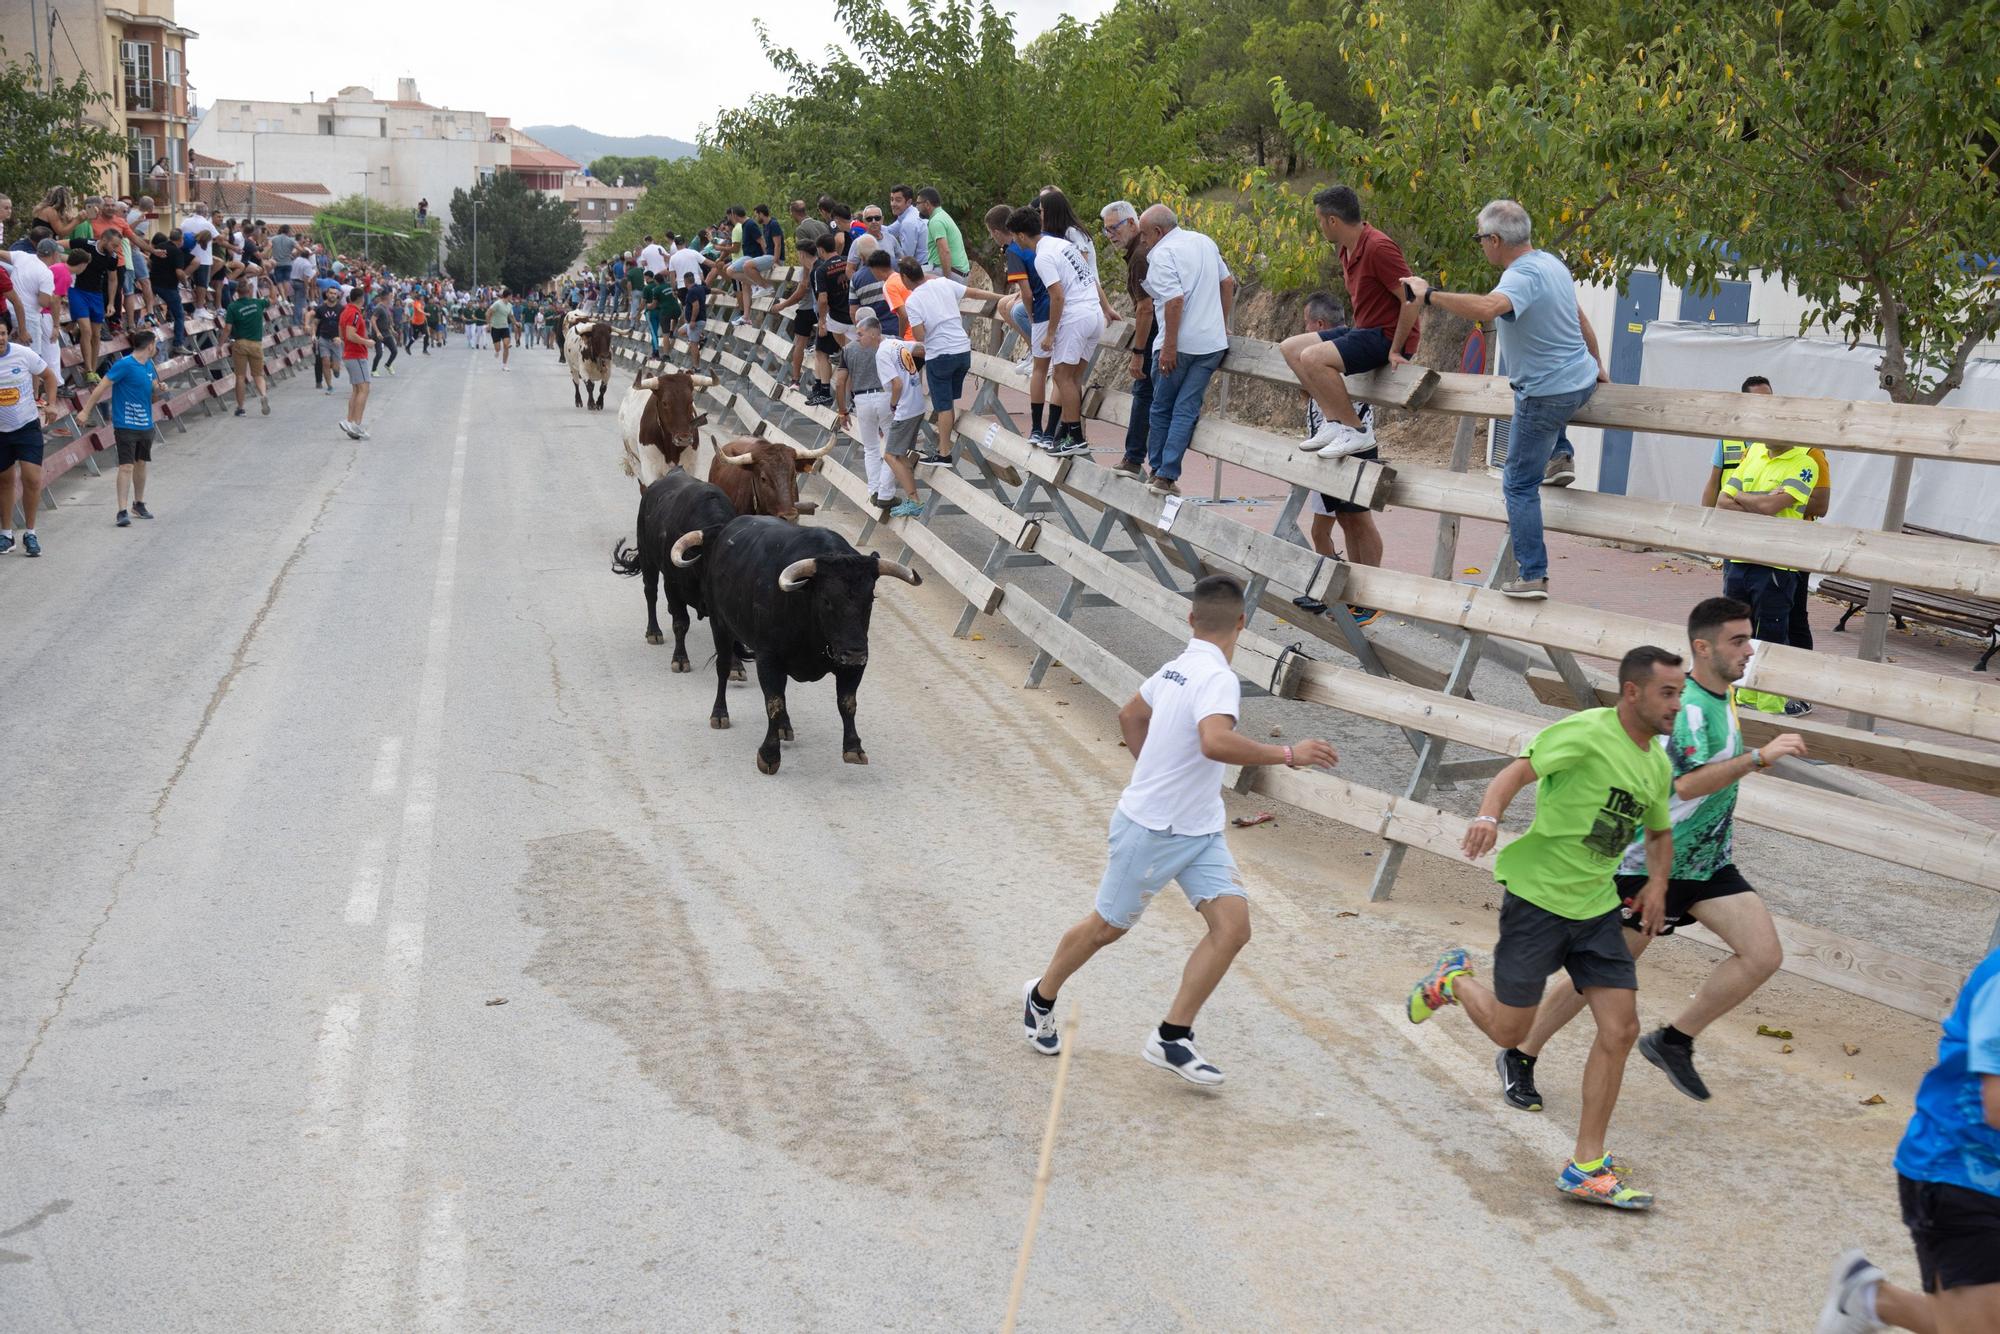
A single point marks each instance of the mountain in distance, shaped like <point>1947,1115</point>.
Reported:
<point>586,146</point>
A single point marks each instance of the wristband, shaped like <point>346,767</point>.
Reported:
<point>1427,295</point>
<point>1757,755</point>
<point>1288,758</point>
<point>1493,820</point>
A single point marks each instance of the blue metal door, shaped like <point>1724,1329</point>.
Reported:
<point>1729,303</point>
<point>1638,305</point>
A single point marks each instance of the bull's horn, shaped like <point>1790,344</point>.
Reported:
<point>793,577</point>
<point>703,381</point>
<point>819,453</point>
<point>688,542</point>
<point>739,460</point>
<point>808,507</point>
<point>648,384</point>
<point>891,570</point>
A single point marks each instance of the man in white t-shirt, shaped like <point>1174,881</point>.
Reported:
<point>1070,335</point>
<point>1181,730</point>
<point>931,317</point>
<point>27,402</point>
<point>653,257</point>
<point>1193,294</point>
<point>685,265</point>
<point>35,284</point>
<point>199,234</point>
<point>899,365</point>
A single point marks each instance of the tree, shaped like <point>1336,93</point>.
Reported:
<point>611,168</point>
<point>525,237</point>
<point>47,138</point>
<point>689,193</point>
<point>391,237</point>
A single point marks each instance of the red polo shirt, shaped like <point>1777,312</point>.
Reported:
<point>353,334</point>
<point>1375,268</point>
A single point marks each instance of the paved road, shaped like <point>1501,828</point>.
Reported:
<point>357,740</point>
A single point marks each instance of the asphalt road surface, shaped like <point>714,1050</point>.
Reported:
<point>358,741</point>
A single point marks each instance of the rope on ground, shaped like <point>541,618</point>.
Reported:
<point>1041,1174</point>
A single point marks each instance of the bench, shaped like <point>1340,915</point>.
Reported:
<point>1978,617</point>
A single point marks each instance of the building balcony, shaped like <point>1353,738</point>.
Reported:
<point>149,97</point>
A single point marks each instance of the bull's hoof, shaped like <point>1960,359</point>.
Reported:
<point>766,767</point>
<point>855,756</point>
<point>736,674</point>
<point>784,734</point>
<point>655,637</point>
<point>682,665</point>
<point>719,721</point>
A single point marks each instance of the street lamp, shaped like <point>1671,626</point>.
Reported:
<point>364,175</point>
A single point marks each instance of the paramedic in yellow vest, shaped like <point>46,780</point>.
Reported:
<point>1776,481</point>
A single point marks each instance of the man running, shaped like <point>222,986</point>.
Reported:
<point>133,383</point>
<point>500,324</point>
<point>1600,775</point>
<point>245,318</point>
<point>354,348</point>
<point>1709,761</point>
<point>28,389</point>
<point>1948,1174</point>
<point>1181,730</point>
<point>326,342</point>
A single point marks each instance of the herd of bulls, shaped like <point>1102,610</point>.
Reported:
<point>793,600</point>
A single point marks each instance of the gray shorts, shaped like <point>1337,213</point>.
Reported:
<point>357,370</point>
<point>329,348</point>
<point>902,437</point>
<point>1535,942</point>
<point>1143,860</point>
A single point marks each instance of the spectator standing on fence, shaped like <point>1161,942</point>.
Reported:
<point>245,318</point>
<point>93,273</point>
<point>1552,364</point>
<point>198,236</point>
<point>1600,777</point>
<point>862,407</point>
<point>907,233</point>
<point>28,389</point>
<point>900,366</point>
<point>1948,1177</point>
<point>500,325</point>
<point>1070,328</point>
<point>354,348</point>
<point>1059,219</point>
<point>931,317</point>
<point>1181,731</point>
<point>1776,481</point>
<point>1709,760</point>
<point>133,383</point>
<point>1374,269</point>
<point>1121,224</point>
<point>35,284</point>
<point>806,230</point>
<point>1193,296</point>
<point>868,289</point>
<point>944,245</point>
<point>684,264</point>
<point>1026,307</point>
<point>1358,530</point>
<point>835,315</point>
<point>301,272</point>
<point>774,240</point>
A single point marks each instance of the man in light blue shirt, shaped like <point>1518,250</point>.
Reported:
<point>909,234</point>
<point>1552,363</point>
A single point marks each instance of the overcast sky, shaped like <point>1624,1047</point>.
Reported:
<point>607,65</point>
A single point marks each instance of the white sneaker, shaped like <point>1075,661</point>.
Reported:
<point>348,428</point>
<point>1349,441</point>
<point>1024,366</point>
<point>1327,433</point>
<point>1042,1032</point>
<point>1841,1312</point>
<point>361,433</point>
<point>1181,1058</point>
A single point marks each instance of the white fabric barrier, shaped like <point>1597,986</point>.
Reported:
<point>1958,498</point>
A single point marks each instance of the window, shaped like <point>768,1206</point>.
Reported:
<point>138,61</point>
<point>140,157</point>
<point>173,67</point>
<point>385,175</point>
<point>326,125</point>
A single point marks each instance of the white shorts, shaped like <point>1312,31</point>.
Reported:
<point>1036,334</point>
<point>1076,340</point>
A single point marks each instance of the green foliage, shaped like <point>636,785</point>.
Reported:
<point>46,140</point>
<point>525,237</point>
<point>688,194</point>
<point>390,237</point>
<point>633,170</point>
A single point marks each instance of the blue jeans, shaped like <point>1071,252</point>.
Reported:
<point>1141,420</point>
<point>1021,319</point>
<point>1536,435</point>
<point>170,296</point>
<point>653,326</point>
<point>1175,408</point>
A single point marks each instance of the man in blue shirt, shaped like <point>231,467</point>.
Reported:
<point>1948,1173</point>
<point>1552,363</point>
<point>133,383</point>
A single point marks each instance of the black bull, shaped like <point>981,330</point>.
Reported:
<point>799,598</point>
<point>673,505</point>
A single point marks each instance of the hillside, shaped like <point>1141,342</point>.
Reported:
<point>586,146</point>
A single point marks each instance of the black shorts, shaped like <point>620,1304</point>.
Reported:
<point>828,344</point>
<point>133,446</point>
<point>21,445</point>
<point>1957,1232</point>
<point>1535,942</point>
<point>1333,504</point>
<point>805,323</point>
<point>1682,895</point>
<point>1361,350</point>
<point>502,335</point>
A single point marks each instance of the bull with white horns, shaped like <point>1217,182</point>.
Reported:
<point>587,350</point>
<point>656,422</point>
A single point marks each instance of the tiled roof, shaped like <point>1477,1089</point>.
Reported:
<point>204,160</point>
<point>232,198</point>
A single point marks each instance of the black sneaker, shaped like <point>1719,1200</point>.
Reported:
<point>241,413</point>
<point>936,460</point>
<point>124,519</point>
<point>1517,1079</point>
<point>1675,1061</point>
<point>1180,1057</point>
<point>1069,447</point>
<point>1797,708</point>
<point>1310,605</point>
<point>139,510</point>
<point>1039,1025</point>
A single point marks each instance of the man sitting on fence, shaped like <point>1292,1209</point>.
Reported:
<point>1193,294</point>
<point>1374,269</point>
<point>1776,481</point>
<point>1552,363</point>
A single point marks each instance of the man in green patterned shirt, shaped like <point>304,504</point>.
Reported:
<point>1709,760</point>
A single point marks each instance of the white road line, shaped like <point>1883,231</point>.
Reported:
<point>387,761</point>
<point>333,1059</point>
<point>441,1266</point>
<point>373,1271</point>
<point>367,891</point>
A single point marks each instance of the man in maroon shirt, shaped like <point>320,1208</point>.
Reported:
<point>1374,268</point>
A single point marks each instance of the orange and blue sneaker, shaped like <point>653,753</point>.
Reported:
<point>1434,992</point>
<point>1601,1183</point>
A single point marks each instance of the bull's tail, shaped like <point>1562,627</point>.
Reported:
<point>624,558</point>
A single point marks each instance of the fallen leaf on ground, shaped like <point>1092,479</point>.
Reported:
<point>1246,821</point>
<point>1062,703</point>
<point>979,636</point>
<point>1472,569</point>
<point>1786,1049</point>
<point>1850,1049</point>
<point>497,1000</point>
<point>1873,1100</point>
<point>1277,731</point>
<point>1766,1031</point>
<point>1076,681</point>
<point>1347,914</point>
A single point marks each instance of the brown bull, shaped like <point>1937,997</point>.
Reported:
<point>762,476</point>
<point>657,422</point>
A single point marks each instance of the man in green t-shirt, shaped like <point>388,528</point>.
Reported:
<point>1709,760</point>
<point>500,323</point>
<point>1599,776</point>
<point>662,308</point>
<point>944,244</point>
<point>245,318</point>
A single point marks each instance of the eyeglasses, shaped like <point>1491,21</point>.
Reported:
<point>1486,236</point>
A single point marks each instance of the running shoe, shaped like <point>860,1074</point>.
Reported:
<point>360,433</point>
<point>1434,992</point>
<point>1517,1079</point>
<point>347,429</point>
<point>139,510</point>
<point>6,543</point>
<point>1676,1061</point>
<point>909,509</point>
<point>1042,1033</point>
<point>124,519</point>
<point>1531,590</point>
<point>1180,1057</point>
<point>31,545</point>
<point>1841,1312</point>
<point>1797,708</point>
<point>1605,1185</point>
<point>1312,606</point>
<point>242,412</point>
<point>936,460</point>
<point>1328,432</point>
<point>1024,366</point>
<point>265,402</point>
<point>1363,615</point>
<point>1346,440</point>
<point>1069,448</point>
<point>1038,438</point>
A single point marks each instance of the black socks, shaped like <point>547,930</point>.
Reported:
<point>1035,414</point>
<point>1039,1001</point>
<point>1673,1037</point>
<point>1175,1033</point>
